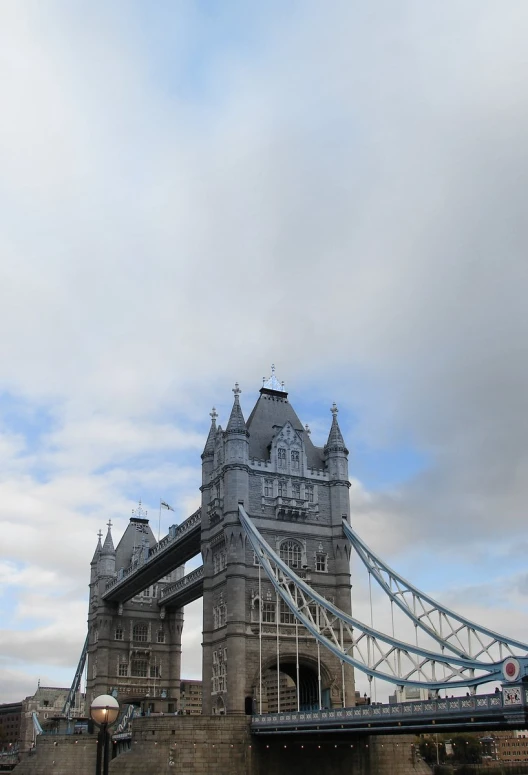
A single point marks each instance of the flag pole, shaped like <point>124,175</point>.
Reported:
<point>159,523</point>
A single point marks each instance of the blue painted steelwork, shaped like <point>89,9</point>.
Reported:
<point>380,655</point>
<point>490,711</point>
<point>452,631</point>
<point>76,681</point>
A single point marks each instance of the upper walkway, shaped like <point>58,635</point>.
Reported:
<point>503,710</point>
<point>180,545</point>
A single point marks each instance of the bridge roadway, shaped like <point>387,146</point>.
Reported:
<point>180,545</point>
<point>479,712</point>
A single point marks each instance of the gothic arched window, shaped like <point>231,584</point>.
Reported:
<point>281,455</point>
<point>290,553</point>
<point>295,458</point>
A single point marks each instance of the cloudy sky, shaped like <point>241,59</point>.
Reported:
<point>191,191</point>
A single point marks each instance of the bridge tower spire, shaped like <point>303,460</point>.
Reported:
<point>297,493</point>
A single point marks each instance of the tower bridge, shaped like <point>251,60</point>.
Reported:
<point>275,535</point>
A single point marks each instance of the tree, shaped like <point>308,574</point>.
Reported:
<point>466,749</point>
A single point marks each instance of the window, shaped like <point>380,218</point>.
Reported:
<point>154,671</point>
<point>290,553</point>
<point>219,559</point>
<point>321,562</point>
<point>161,636</point>
<point>219,616</point>
<point>281,455</point>
<point>139,667</point>
<point>295,459</point>
<point>122,669</point>
<point>309,493</point>
<point>296,491</point>
<point>140,633</point>
<point>96,636</point>
<point>268,488</point>
<point>286,616</point>
<point>119,633</point>
<point>282,488</point>
<point>219,671</point>
<point>268,612</point>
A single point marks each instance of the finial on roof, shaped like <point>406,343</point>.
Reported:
<point>307,429</point>
<point>139,512</point>
<point>213,415</point>
<point>236,391</point>
<point>100,534</point>
<point>109,524</point>
<point>273,383</point>
<point>334,409</point>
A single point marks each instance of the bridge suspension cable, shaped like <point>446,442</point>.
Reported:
<point>452,631</point>
<point>357,644</point>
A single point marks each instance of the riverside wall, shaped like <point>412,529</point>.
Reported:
<point>223,745</point>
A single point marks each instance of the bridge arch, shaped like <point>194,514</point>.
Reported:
<point>308,683</point>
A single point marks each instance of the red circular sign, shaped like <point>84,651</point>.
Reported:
<point>510,669</point>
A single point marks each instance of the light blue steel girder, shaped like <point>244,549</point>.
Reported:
<point>378,655</point>
<point>452,631</point>
<point>70,699</point>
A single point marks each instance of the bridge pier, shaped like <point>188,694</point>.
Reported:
<point>223,745</point>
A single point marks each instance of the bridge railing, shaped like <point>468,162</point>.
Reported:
<point>176,532</point>
<point>440,707</point>
<point>191,578</point>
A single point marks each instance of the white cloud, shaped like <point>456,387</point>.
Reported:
<point>343,196</point>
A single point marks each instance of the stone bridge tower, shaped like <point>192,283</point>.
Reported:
<point>297,495</point>
<point>134,648</point>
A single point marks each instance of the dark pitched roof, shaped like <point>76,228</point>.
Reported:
<point>271,412</point>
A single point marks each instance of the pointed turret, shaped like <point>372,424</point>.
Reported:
<point>335,441</point>
<point>107,558</point>
<point>95,559</point>
<point>210,443</point>
<point>108,546</point>
<point>335,452</point>
<point>236,423</point>
<point>98,549</point>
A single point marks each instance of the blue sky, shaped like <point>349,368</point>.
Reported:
<point>190,192</point>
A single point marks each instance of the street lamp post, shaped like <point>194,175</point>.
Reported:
<point>104,711</point>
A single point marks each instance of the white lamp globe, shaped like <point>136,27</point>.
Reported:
<point>104,709</point>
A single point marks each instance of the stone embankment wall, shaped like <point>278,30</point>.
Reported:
<point>223,745</point>
<point>188,745</point>
<point>60,755</point>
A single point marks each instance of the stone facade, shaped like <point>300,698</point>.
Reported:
<point>134,649</point>
<point>297,495</point>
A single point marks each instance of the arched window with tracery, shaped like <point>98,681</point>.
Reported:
<point>291,553</point>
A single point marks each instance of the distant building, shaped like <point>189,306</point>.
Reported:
<point>513,748</point>
<point>191,697</point>
<point>10,722</point>
<point>46,704</point>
